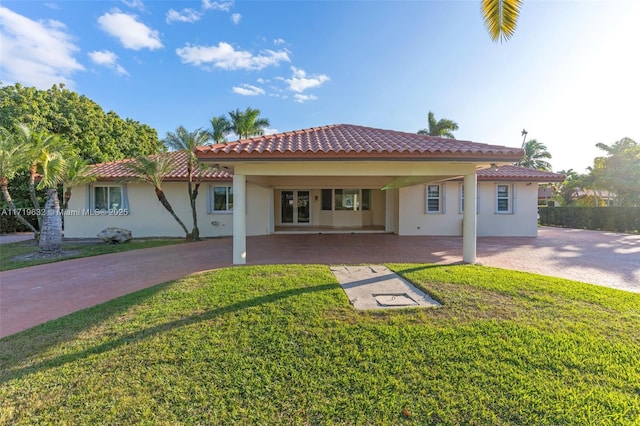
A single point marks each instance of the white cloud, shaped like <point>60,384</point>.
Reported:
<point>279,41</point>
<point>261,80</point>
<point>271,131</point>
<point>134,4</point>
<point>186,15</point>
<point>235,18</point>
<point>248,90</point>
<point>226,57</point>
<point>300,81</point>
<point>34,53</point>
<point>304,98</point>
<point>107,59</point>
<point>225,6</point>
<point>132,33</point>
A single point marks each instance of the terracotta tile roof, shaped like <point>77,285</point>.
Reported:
<point>340,141</point>
<point>516,173</point>
<point>116,170</point>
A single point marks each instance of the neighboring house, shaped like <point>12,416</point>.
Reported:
<point>598,197</point>
<point>338,178</point>
<point>546,196</point>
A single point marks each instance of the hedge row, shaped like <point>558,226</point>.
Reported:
<point>9,223</point>
<point>617,219</point>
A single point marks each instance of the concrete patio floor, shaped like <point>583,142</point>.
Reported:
<point>34,295</point>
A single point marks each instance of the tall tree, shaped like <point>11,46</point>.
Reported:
<point>96,136</point>
<point>443,128</point>
<point>501,17</point>
<point>186,142</point>
<point>51,167</point>
<point>153,170</point>
<point>535,156</point>
<point>619,171</point>
<point>248,123</point>
<point>12,159</point>
<point>220,128</point>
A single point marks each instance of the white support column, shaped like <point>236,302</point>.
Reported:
<point>469,221</point>
<point>239,219</point>
<point>389,210</point>
<point>272,220</point>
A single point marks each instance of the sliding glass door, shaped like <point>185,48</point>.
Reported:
<point>295,207</point>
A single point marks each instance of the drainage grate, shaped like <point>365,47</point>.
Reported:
<point>394,299</point>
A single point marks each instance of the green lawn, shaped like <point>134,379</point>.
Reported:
<point>9,252</point>
<point>281,345</point>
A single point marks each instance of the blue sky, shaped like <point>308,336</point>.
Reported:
<point>569,76</point>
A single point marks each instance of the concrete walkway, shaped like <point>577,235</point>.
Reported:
<point>31,296</point>
<point>377,287</point>
<point>15,237</point>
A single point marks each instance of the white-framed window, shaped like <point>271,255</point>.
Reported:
<point>346,199</point>
<point>220,199</point>
<point>461,200</point>
<point>504,198</point>
<point>108,197</point>
<point>435,198</point>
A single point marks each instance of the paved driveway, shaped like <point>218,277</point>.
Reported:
<point>37,294</point>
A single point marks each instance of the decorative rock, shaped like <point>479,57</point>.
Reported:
<point>115,235</point>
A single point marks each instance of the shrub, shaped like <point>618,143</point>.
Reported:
<point>617,219</point>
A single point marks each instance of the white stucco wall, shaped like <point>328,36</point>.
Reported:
<point>147,217</point>
<point>401,210</point>
<point>415,221</point>
<point>522,221</point>
<point>258,219</point>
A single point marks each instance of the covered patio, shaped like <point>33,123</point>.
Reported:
<point>343,169</point>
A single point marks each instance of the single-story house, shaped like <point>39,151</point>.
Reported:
<point>336,178</point>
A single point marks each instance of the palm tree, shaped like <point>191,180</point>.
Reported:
<point>247,123</point>
<point>535,154</point>
<point>186,142</point>
<point>443,128</point>
<point>220,128</point>
<point>38,146</point>
<point>76,173</point>
<point>153,170</point>
<point>501,17</point>
<point>12,159</point>
<point>51,166</point>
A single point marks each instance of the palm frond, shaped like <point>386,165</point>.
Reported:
<point>77,173</point>
<point>501,17</point>
<point>52,166</point>
<point>152,170</point>
<point>12,155</point>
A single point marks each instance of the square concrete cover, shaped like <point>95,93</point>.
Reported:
<point>377,287</point>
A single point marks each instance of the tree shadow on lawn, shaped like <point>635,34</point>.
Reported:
<point>40,338</point>
<point>135,298</point>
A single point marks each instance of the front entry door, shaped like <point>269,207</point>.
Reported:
<point>295,207</point>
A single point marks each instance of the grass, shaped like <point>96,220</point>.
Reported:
<point>282,345</point>
<point>9,252</point>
